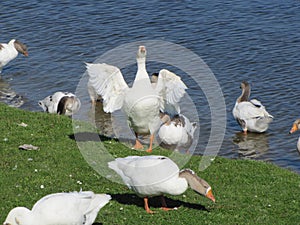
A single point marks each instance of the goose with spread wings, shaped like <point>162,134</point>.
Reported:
<point>142,102</point>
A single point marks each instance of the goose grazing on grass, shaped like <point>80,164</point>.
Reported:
<point>141,103</point>
<point>64,103</point>
<point>10,51</point>
<point>76,208</point>
<point>295,127</point>
<point>251,115</point>
<point>154,175</point>
<point>176,132</point>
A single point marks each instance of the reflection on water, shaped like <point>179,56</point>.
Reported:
<point>113,125</point>
<point>9,96</point>
<point>251,145</point>
<point>103,120</point>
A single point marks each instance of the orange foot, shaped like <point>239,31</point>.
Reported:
<point>166,208</point>
<point>148,210</point>
<point>149,150</point>
<point>138,145</point>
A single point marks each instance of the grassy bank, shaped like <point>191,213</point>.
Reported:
<point>247,192</point>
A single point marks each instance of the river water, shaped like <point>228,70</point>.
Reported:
<point>257,41</point>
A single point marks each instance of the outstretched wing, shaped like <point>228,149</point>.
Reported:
<point>172,89</point>
<point>109,83</point>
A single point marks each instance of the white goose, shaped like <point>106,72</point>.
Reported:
<point>61,103</point>
<point>157,175</point>
<point>176,132</point>
<point>251,115</point>
<point>10,51</point>
<point>295,127</point>
<point>76,208</point>
<point>141,102</point>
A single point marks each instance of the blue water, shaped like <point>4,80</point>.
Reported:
<point>258,41</point>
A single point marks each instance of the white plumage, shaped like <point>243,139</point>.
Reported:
<point>141,102</point>
<point>157,175</point>
<point>10,51</point>
<point>177,132</point>
<point>76,208</point>
<point>251,115</point>
<point>61,103</point>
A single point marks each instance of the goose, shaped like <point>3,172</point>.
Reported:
<point>141,103</point>
<point>250,115</point>
<point>295,127</point>
<point>75,208</point>
<point>10,51</point>
<point>177,131</point>
<point>61,103</point>
<point>155,175</point>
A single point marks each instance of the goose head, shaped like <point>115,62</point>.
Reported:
<point>20,47</point>
<point>142,52</point>
<point>16,215</point>
<point>154,78</point>
<point>68,105</point>
<point>245,86</point>
<point>296,126</point>
<point>197,184</point>
<point>165,118</point>
<point>43,105</point>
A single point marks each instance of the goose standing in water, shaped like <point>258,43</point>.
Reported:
<point>76,208</point>
<point>141,103</point>
<point>251,115</point>
<point>150,176</point>
<point>295,127</point>
<point>10,51</point>
<point>64,103</point>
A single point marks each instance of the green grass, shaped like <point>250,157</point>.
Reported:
<point>247,192</point>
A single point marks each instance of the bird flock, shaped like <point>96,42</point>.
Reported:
<point>152,107</point>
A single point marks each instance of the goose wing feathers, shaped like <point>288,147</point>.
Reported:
<point>65,208</point>
<point>251,110</point>
<point>108,82</point>
<point>144,170</point>
<point>171,88</point>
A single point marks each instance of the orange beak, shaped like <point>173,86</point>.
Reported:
<point>210,195</point>
<point>294,128</point>
<point>26,53</point>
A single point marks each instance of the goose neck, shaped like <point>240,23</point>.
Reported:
<point>245,94</point>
